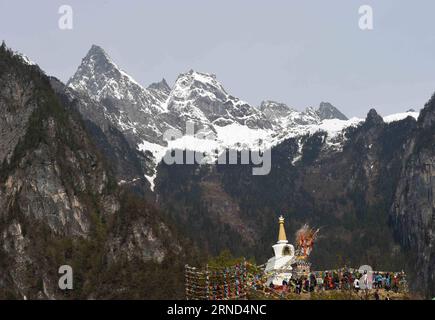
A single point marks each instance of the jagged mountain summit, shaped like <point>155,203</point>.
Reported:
<point>200,97</point>
<point>101,78</point>
<point>273,110</point>
<point>276,110</point>
<point>144,114</point>
<point>195,96</point>
<point>328,111</point>
<point>131,107</point>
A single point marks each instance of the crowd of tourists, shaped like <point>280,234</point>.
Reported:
<point>344,280</point>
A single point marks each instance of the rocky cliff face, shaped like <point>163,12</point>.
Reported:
<point>128,164</point>
<point>413,208</point>
<point>60,202</point>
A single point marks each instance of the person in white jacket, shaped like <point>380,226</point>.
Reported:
<point>366,281</point>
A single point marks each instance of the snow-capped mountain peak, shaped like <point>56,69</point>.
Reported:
<point>200,97</point>
<point>134,110</point>
<point>328,111</point>
<point>275,110</point>
<point>100,77</point>
<point>192,83</point>
<point>160,86</point>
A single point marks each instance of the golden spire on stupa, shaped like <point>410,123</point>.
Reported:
<point>282,238</point>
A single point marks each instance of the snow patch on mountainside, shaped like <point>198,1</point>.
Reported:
<point>26,59</point>
<point>401,116</point>
<point>238,135</point>
<point>334,129</point>
<point>158,153</point>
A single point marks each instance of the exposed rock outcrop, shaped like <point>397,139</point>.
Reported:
<point>60,202</point>
<point>413,209</point>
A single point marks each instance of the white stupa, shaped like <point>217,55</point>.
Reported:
<point>279,267</point>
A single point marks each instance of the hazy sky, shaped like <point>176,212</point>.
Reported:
<point>297,52</point>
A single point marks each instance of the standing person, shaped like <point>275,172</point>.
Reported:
<point>374,280</point>
<point>293,284</point>
<point>387,282</point>
<point>356,285</point>
<point>313,282</point>
<point>336,281</point>
<point>384,278</point>
<point>319,281</point>
<point>395,283</point>
<point>328,281</point>
<point>298,286</point>
<point>365,280</point>
<point>350,280</point>
<point>306,284</point>
<point>379,281</point>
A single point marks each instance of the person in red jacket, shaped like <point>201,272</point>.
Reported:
<point>327,281</point>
